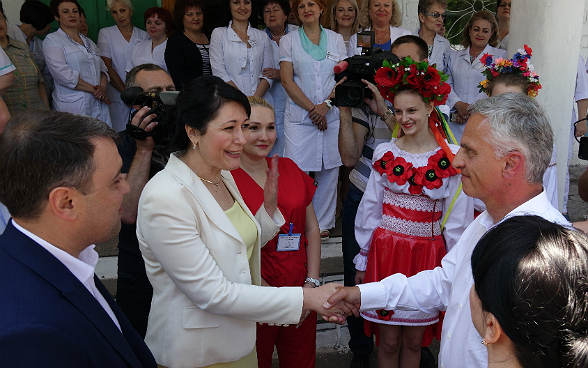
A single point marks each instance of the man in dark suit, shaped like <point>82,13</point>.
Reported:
<point>60,179</point>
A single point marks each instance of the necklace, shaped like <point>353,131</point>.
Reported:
<point>208,181</point>
<point>379,39</point>
<point>277,37</point>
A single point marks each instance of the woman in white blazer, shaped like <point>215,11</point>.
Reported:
<point>384,18</point>
<point>431,17</point>
<point>466,66</point>
<point>239,53</point>
<point>201,245</point>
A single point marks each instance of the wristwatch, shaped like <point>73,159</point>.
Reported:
<point>313,282</point>
<point>386,114</point>
<point>329,103</point>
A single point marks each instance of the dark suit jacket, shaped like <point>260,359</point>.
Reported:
<point>49,319</point>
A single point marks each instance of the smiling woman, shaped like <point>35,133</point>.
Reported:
<point>202,245</point>
<point>465,67</point>
<point>158,22</point>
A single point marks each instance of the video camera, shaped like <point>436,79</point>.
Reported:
<point>353,91</point>
<point>161,104</point>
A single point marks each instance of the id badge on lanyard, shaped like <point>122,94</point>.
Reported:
<point>288,242</point>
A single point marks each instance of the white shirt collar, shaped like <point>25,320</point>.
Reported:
<point>82,267</point>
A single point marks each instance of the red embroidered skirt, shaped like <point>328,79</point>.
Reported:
<point>407,241</point>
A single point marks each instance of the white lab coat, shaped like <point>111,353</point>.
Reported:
<point>441,52</point>
<point>143,53</point>
<point>113,45</point>
<point>68,61</point>
<point>230,60</point>
<point>464,78</point>
<point>309,147</point>
<point>395,32</point>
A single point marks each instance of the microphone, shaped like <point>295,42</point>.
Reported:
<point>341,67</point>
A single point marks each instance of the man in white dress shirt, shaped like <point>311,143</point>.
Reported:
<point>61,181</point>
<point>505,149</point>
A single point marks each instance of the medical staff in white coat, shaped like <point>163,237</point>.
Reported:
<point>275,16</point>
<point>116,45</point>
<point>431,17</point>
<point>311,123</point>
<point>239,52</point>
<point>79,74</point>
<point>465,67</point>
<point>158,22</point>
<point>383,17</point>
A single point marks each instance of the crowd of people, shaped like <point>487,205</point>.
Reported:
<point>221,204</point>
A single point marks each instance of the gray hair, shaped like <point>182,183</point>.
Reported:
<point>110,4</point>
<point>518,123</point>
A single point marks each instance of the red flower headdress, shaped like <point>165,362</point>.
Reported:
<point>420,76</point>
<point>427,81</point>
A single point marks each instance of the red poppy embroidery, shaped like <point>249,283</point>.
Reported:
<point>427,177</point>
<point>385,315</point>
<point>441,164</point>
<point>397,169</point>
<point>414,187</point>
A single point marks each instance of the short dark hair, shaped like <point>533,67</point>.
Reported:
<point>531,274</point>
<point>425,5</point>
<point>36,13</point>
<point>132,74</point>
<point>162,14</point>
<point>419,42</point>
<point>41,150</point>
<point>284,4</point>
<point>54,6</point>
<point>199,103</point>
<point>180,8</point>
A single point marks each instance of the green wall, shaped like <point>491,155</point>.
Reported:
<point>98,17</point>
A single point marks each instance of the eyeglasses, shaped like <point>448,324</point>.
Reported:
<point>504,5</point>
<point>436,15</point>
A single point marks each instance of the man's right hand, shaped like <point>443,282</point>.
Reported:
<point>147,125</point>
<point>350,295</point>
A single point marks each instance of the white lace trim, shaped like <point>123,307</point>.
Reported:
<point>412,228</point>
<point>411,202</point>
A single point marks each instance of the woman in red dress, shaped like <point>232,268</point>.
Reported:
<point>413,210</point>
<point>293,257</point>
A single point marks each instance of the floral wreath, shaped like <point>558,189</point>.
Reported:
<point>518,65</point>
<point>420,76</point>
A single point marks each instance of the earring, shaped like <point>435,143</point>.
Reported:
<point>193,145</point>
<point>485,343</point>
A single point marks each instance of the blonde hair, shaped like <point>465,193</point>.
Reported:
<point>485,15</point>
<point>335,25</point>
<point>258,101</point>
<point>364,14</point>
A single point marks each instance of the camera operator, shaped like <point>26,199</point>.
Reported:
<point>141,160</point>
<point>361,130</point>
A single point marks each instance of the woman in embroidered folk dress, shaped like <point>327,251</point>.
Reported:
<point>404,222</point>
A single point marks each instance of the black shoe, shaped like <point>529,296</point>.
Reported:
<point>360,361</point>
<point>427,358</point>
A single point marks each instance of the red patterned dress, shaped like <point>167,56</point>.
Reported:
<point>399,223</point>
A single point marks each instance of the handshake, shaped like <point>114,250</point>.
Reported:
<point>333,302</point>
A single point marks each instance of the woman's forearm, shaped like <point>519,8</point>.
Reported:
<point>313,250</point>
